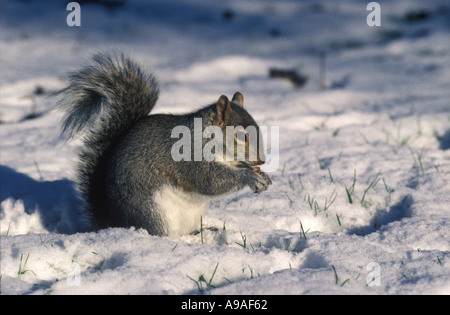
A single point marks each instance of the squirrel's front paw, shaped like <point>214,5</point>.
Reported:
<point>258,182</point>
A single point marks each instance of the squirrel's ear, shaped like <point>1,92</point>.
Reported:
<point>238,99</point>
<point>223,111</point>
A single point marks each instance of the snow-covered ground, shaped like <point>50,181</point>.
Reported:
<point>360,201</point>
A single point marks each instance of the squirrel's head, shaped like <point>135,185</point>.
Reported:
<point>242,141</point>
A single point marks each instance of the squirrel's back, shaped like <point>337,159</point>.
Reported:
<point>103,100</point>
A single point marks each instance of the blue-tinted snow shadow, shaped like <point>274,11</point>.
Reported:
<point>396,212</point>
<point>444,140</point>
<point>59,208</point>
<point>157,16</point>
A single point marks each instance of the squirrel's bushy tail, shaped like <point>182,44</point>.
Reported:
<point>102,100</point>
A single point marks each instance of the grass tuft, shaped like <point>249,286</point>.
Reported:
<point>371,186</point>
<point>22,266</point>
<point>201,280</point>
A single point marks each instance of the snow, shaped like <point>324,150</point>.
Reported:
<point>361,196</point>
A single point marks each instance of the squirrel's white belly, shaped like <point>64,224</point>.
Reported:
<point>181,210</point>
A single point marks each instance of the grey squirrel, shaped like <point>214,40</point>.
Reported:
<point>126,173</point>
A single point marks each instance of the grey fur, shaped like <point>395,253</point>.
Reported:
<point>126,157</point>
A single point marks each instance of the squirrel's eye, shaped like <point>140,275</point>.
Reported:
<point>241,136</point>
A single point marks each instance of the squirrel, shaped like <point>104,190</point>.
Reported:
<point>126,173</point>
